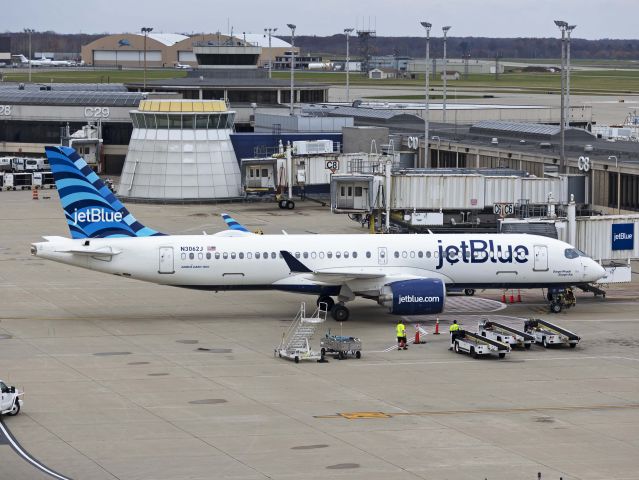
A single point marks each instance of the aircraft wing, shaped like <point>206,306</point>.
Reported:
<point>337,276</point>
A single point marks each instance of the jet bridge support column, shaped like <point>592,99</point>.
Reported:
<point>572,221</point>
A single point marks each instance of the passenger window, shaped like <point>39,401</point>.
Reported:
<point>404,254</point>
<point>217,255</point>
<point>249,255</point>
<point>338,254</point>
<point>321,254</point>
<point>420,254</point>
<point>412,254</point>
<point>208,256</point>
<point>200,256</point>
<point>265,255</point>
<point>225,255</point>
<point>305,254</point>
<point>184,256</point>
<point>354,254</point>
<point>273,255</point>
<point>436,254</point>
<point>345,254</point>
<point>297,254</point>
<point>396,254</point>
<point>329,255</point>
<point>428,254</point>
<point>191,256</point>
<point>368,254</point>
<point>257,255</point>
<point>313,255</point>
<point>233,255</point>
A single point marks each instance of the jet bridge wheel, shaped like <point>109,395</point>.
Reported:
<point>340,313</point>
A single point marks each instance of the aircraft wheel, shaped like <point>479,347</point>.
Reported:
<point>330,303</point>
<point>555,307</point>
<point>573,345</point>
<point>502,355</point>
<point>456,347</point>
<point>544,342</point>
<point>290,204</point>
<point>358,354</point>
<point>340,313</point>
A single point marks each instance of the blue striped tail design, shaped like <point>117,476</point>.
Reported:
<point>91,209</point>
<point>233,224</point>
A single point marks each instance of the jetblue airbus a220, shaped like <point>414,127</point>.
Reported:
<point>408,274</point>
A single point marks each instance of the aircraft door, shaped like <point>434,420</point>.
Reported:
<point>541,258</point>
<point>166,260</point>
<point>382,256</point>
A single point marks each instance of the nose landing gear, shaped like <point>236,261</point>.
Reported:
<point>560,299</point>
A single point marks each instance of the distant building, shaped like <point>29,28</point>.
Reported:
<point>396,62</point>
<point>451,75</point>
<point>283,62</point>
<point>382,73</point>
<point>170,49</point>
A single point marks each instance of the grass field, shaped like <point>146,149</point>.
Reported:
<point>581,82</point>
<point>91,76</point>
<point>598,82</point>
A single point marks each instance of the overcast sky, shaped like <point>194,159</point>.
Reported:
<point>481,18</point>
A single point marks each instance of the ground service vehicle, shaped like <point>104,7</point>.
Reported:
<point>10,399</point>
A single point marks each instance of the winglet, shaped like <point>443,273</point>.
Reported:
<point>234,224</point>
<point>294,264</point>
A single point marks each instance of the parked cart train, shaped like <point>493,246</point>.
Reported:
<point>341,346</point>
<point>477,345</point>
<point>548,334</point>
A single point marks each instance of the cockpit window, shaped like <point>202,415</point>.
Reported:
<point>571,253</point>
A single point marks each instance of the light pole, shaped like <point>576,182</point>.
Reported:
<point>292,27</point>
<point>445,30</point>
<point>145,31</point>
<point>562,154</point>
<point>618,183</point>
<point>427,26</point>
<point>347,32</point>
<point>569,30</point>
<point>270,52</point>
<point>29,31</point>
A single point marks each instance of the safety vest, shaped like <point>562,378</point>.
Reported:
<point>401,329</point>
<point>454,327</point>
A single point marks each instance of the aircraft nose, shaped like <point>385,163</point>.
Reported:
<point>597,271</point>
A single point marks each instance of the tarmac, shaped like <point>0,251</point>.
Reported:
<point>127,380</point>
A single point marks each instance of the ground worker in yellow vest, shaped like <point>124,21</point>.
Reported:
<point>401,335</point>
<point>454,330</point>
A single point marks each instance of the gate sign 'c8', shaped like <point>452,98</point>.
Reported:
<point>332,165</point>
<point>623,236</point>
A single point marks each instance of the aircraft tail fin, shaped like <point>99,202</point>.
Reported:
<point>91,209</point>
<point>233,224</point>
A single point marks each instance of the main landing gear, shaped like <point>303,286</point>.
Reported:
<point>338,311</point>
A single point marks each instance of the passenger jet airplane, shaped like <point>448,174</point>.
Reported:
<point>43,62</point>
<point>408,274</point>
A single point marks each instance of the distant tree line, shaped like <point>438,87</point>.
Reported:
<point>475,47</point>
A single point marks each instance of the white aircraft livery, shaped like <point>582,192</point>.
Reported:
<point>408,274</point>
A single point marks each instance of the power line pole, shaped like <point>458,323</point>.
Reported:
<point>427,26</point>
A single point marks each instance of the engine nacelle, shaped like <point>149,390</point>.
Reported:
<point>414,297</point>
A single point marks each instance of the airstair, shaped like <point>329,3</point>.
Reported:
<point>295,341</point>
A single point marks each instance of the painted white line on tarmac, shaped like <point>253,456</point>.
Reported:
<point>20,451</point>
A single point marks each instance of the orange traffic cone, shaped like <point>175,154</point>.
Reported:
<point>503,297</point>
<point>512,297</point>
<point>417,339</point>
<point>518,296</point>
<point>34,194</point>
<point>436,327</point>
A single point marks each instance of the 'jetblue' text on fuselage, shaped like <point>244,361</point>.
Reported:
<point>480,251</point>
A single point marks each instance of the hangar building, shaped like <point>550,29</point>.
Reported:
<point>168,49</point>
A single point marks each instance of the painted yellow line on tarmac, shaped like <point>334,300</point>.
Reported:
<point>567,408</point>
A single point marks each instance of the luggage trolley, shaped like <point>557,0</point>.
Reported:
<point>340,346</point>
